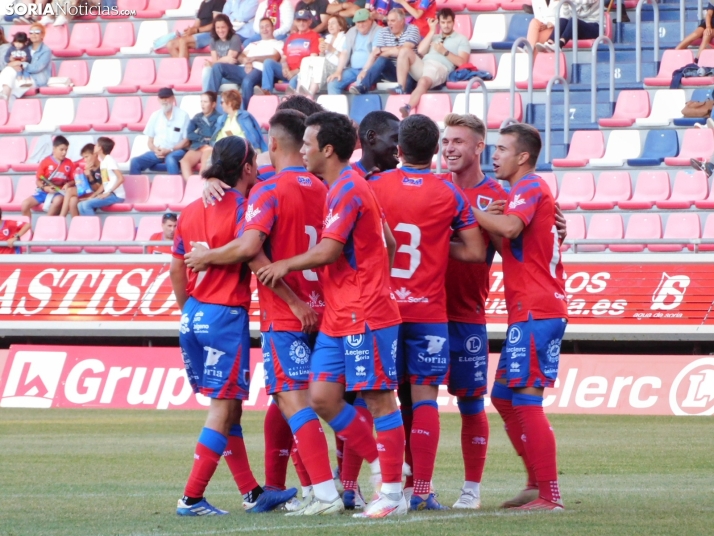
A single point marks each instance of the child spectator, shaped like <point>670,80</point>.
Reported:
<point>703,31</point>
<point>168,228</point>
<point>10,232</point>
<point>54,178</point>
<point>588,17</point>
<point>87,179</point>
<point>541,26</point>
<point>19,50</point>
<point>111,191</point>
<point>419,12</point>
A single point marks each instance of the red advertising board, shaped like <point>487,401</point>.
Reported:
<point>154,378</point>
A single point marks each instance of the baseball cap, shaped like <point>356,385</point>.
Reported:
<point>303,14</point>
<point>166,93</point>
<point>361,15</point>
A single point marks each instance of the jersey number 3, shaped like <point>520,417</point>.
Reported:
<point>411,249</point>
<point>311,233</point>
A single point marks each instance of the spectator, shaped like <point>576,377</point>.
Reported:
<point>314,70</point>
<point>166,130</point>
<point>199,35</point>
<point>168,228</point>
<point>588,16</point>
<point>299,45</point>
<point>62,13</point>
<point>318,14</point>
<point>200,131</point>
<point>237,122</point>
<point>398,38</point>
<point>420,13</point>
<point>280,12</point>
<point>10,232</point>
<point>441,54</point>
<point>87,180</point>
<point>226,46</point>
<point>541,26</point>
<point>54,176</point>
<point>4,45</point>
<point>111,190</point>
<point>346,9</point>
<point>703,31</point>
<point>355,52</point>
<point>241,13</point>
<point>19,51</point>
<point>39,68</point>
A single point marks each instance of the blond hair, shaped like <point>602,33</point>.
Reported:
<point>466,120</point>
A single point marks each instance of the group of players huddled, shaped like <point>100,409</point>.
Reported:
<point>372,277</point>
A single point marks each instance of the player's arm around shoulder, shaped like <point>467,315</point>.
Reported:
<point>470,248</point>
<point>327,251</point>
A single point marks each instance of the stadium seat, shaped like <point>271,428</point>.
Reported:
<point>435,106</point>
<point>152,105</point>
<point>57,112</point>
<point>651,186</point>
<point>191,104</point>
<point>262,107</point>
<point>455,5</point>
<point>544,70</point>
<point>706,204</point>
<point>502,80</point>
<point>487,29</point>
<point>165,189</point>
<point>708,233</point>
<point>646,227</point>
<point>518,27</point>
<point>84,37</point>
<point>334,103</point>
<point>552,181</point>
<point>117,35</point>
<point>671,61</point>
<point>81,229</point>
<point>76,142</point>
<point>195,79</point>
<point>659,145</point>
<point>588,43</point>
<point>75,70</point>
<point>138,72</point>
<point>394,102</point>
<point>56,37</point>
<point>148,32</point>
<point>49,228</point>
<point>90,110</point>
<point>631,104</point>
<point>105,73</point>
<point>24,112</point>
<point>603,227</point>
<point>129,5</point>
<point>26,186</point>
<point>612,187</point>
<point>584,145</point>
<point>697,143</point>
<point>621,145</point>
<point>136,188</point>
<point>483,62</point>
<point>14,152</point>
<point>574,188</point>
<point>575,224</point>
<point>514,5</point>
<point>139,146</point>
<point>14,28</point>
<point>188,8</point>
<point>5,190</point>
<point>685,226</point>
<point>155,9</point>
<point>689,186</point>
<point>463,25</point>
<point>116,229</point>
<point>706,59</point>
<point>361,106</point>
<point>171,71</point>
<point>193,191</point>
<point>667,105</point>
<point>475,103</point>
<point>148,225</point>
<point>4,113</point>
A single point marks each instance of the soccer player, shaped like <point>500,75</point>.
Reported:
<point>214,335</point>
<point>378,135</point>
<point>537,312</point>
<point>357,343</point>
<point>423,227</point>
<point>467,288</point>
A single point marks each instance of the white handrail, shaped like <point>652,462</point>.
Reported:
<point>514,50</point>
<point>593,78</point>
<point>482,86</point>
<point>548,107</point>
<point>574,17</point>
<point>638,36</point>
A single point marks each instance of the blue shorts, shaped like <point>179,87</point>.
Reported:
<point>40,196</point>
<point>531,353</point>
<point>423,356</point>
<point>468,348</point>
<point>286,358</point>
<point>215,343</point>
<point>363,362</point>
<point>203,39</point>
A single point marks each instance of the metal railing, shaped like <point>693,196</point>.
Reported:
<point>638,36</point>
<point>593,77</point>
<point>682,16</point>
<point>514,50</point>
<point>574,18</point>
<point>80,243</point>
<point>619,12</point>
<point>696,242</point>
<point>484,90</point>
<point>548,109</point>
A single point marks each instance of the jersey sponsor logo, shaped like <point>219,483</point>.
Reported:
<point>394,349</point>
<point>360,371</point>
<point>184,324</point>
<point>304,181</point>
<point>670,292</point>
<point>354,341</point>
<point>213,356</point>
<point>436,344</point>
<point>692,391</point>
<point>299,352</point>
<point>315,300</point>
<point>33,379</point>
<point>478,440</point>
<point>411,181</point>
<point>330,219</point>
<point>517,201</point>
<point>402,293</point>
<point>554,350</point>
<point>483,202</point>
<point>514,334</point>
<point>473,344</point>
<point>197,326</point>
<point>251,212</point>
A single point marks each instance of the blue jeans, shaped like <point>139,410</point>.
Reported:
<point>385,69</point>
<point>151,161</point>
<point>338,86</point>
<point>273,72</point>
<point>221,72</point>
<point>252,79</point>
<point>87,208</point>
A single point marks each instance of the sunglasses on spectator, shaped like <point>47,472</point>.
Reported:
<point>35,32</point>
<point>168,215</point>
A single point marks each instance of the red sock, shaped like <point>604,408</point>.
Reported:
<point>278,445</point>
<point>311,445</point>
<point>208,452</point>
<point>513,428</point>
<point>351,461</point>
<point>390,444</point>
<point>424,443</point>
<point>356,432</point>
<point>474,444</point>
<point>339,453</point>
<point>407,418</point>
<point>237,460</point>
<point>300,469</point>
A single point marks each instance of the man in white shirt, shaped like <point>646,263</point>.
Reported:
<point>168,141</point>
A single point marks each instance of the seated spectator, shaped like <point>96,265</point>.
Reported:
<point>298,45</point>
<point>54,177</point>
<point>280,12</point>
<point>111,190</point>
<point>237,122</point>
<point>419,13</point>
<point>168,228</point>
<point>318,14</point>
<point>354,54</point>
<point>541,26</point>
<point>38,69</point>
<point>200,131</point>
<point>10,232</point>
<point>389,43</point>
<point>199,35</point>
<point>226,46</point>
<point>703,32</point>
<point>346,9</point>
<point>166,130</point>
<point>19,51</point>
<point>588,16</point>
<point>314,70</point>
<point>441,53</point>
<point>4,45</point>
<point>63,13</point>
<point>241,13</point>
<point>87,180</point>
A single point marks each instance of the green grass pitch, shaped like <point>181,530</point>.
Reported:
<point>104,472</point>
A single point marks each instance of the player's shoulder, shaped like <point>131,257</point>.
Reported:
<point>491,186</point>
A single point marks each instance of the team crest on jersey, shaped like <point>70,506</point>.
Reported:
<point>299,352</point>
<point>517,201</point>
<point>410,181</point>
<point>6,232</point>
<point>304,181</point>
<point>251,213</point>
<point>330,219</point>
<point>482,202</point>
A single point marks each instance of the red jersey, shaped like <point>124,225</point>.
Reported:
<point>356,286</point>
<point>8,229</point>
<point>422,210</point>
<point>358,168</point>
<point>467,283</point>
<point>215,226</point>
<point>300,45</point>
<point>158,249</point>
<point>532,268</point>
<point>288,208</point>
<point>422,23</point>
<point>58,173</point>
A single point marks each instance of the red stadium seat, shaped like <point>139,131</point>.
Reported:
<point>126,110</point>
<point>612,188</point>
<point>697,143</point>
<point>171,71</point>
<point>482,5</point>
<point>706,204</point>
<point>652,186</point>
<point>193,191</point>
<point>679,226</point>
<point>116,229</point>
<point>455,5</point>
<point>484,62</point>
<point>394,102</point>
<point>706,59</point>
<point>3,111</point>
<point>148,225</point>
<point>75,70</point>
<point>514,5</point>
<point>671,61</point>
<point>708,232</point>
<point>155,8</point>
<point>165,189</point>
<point>463,25</point>
<point>584,145</point>
<point>645,227</point>
<point>552,181</point>
<point>574,188</point>
<point>81,229</point>
<point>56,37</point>
<point>49,228</point>
<point>499,108</point>
<point>435,106</point>
<point>151,105</point>
<point>26,186</point>
<point>121,148</point>
<point>138,72</point>
<point>128,5</point>
<point>262,107</point>
<point>603,227</point>
<point>576,229</point>
<point>116,35</point>
<point>136,188</point>
<point>195,79</point>
<point>90,110</point>
<point>84,37</point>
<point>688,188</point>
<point>544,70</point>
<point>5,190</point>
<point>13,154</point>
<point>631,105</point>
<point>24,112</point>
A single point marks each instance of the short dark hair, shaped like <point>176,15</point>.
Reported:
<point>106,144</point>
<point>300,103</point>
<point>418,139</point>
<point>445,13</point>
<point>222,18</point>
<point>60,140</point>
<point>89,148</point>
<point>212,95</point>
<point>377,121</point>
<point>268,19</point>
<point>20,37</point>
<point>292,123</point>
<point>336,130</point>
<point>527,140</point>
<point>169,216</point>
<point>229,157</point>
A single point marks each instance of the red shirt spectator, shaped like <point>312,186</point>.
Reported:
<point>299,46</point>
<point>168,228</point>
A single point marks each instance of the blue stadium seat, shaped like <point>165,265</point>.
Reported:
<point>658,145</point>
<point>700,95</point>
<point>517,28</point>
<point>363,104</point>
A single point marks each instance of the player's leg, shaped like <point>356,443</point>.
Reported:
<point>56,205</point>
<point>278,446</point>
<point>404,392</point>
<point>696,34</point>
<point>351,462</point>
